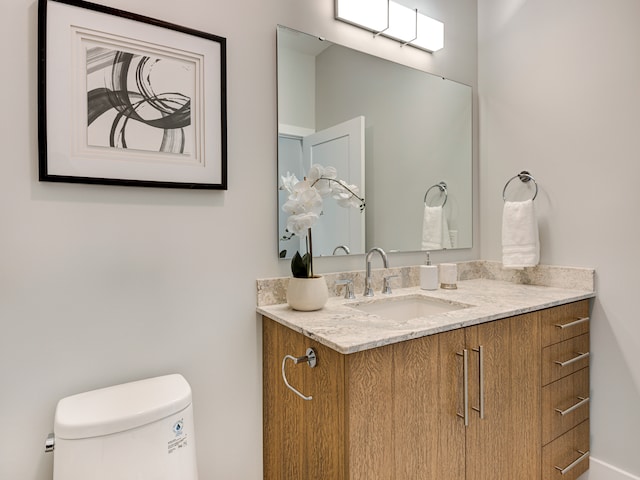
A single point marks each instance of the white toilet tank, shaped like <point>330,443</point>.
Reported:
<point>135,431</point>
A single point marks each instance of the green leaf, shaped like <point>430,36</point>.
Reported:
<point>300,266</point>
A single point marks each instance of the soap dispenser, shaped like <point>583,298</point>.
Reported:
<point>428,275</point>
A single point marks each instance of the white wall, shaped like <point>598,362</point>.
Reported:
<point>559,96</point>
<point>100,285</point>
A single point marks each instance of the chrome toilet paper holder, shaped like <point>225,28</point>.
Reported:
<point>310,358</point>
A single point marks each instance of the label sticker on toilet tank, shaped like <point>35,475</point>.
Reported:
<point>179,439</point>
<point>177,443</point>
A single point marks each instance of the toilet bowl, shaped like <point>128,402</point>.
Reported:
<point>138,430</point>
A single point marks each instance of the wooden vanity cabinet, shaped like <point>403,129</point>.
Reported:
<point>397,412</point>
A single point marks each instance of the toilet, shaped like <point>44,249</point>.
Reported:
<point>138,430</point>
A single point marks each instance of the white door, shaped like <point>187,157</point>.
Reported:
<point>342,147</point>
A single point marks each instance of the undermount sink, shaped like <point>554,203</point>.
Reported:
<point>408,307</point>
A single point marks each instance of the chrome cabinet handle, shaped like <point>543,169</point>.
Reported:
<point>480,351</point>
<point>567,469</point>
<point>465,374</point>
<point>572,324</point>
<point>311,360</point>
<point>580,356</point>
<point>583,401</point>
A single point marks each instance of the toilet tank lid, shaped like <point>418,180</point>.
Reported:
<point>121,407</point>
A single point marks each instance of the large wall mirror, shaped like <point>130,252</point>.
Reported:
<point>402,135</point>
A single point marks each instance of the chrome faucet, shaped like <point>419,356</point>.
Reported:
<point>368,291</point>
<point>343,247</point>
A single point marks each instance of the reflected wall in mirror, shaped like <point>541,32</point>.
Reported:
<point>416,135</point>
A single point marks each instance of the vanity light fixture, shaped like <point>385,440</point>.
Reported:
<point>388,18</point>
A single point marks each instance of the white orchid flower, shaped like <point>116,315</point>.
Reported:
<point>299,224</point>
<point>315,172</point>
<point>346,195</point>
<point>320,177</point>
<point>303,199</point>
<point>288,181</point>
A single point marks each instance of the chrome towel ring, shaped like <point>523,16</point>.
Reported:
<point>443,189</point>
<point>524,177</point>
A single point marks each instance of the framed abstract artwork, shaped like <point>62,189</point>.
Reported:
<point>125,99</point>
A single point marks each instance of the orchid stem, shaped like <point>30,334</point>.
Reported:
<point>310,250</point>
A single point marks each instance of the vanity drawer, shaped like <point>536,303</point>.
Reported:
<point>568,453</point>
<point>564,322</point>
<point>565,404</point>
<point>565,358</point>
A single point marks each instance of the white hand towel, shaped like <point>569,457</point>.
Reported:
<point>520,241</point>
<point>435,229</point>
<point>446,235</point>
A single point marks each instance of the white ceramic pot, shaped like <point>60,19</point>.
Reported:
<point>307,294</point>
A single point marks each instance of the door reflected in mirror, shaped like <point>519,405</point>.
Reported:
<point>396,132</point>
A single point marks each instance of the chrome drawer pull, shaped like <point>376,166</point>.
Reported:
<point>311,360</point>
<point>465,374</point>
<point>572,324</point>
<point>480,351</point>
<point>582,402</point>
<point>583,456</point>
<point>579,357</point>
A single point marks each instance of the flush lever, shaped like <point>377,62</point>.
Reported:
<point>311,360</point>
<point>50,443</point>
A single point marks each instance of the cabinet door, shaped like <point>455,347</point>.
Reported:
<point>428,394</point>
<point>325,414</point>
<point>505,384</point>
<point>302,439</point>
<point>369,401</point>
<point>283,413</point>
<point>402,403</point>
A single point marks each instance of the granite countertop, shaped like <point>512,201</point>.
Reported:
<point>346,329</point>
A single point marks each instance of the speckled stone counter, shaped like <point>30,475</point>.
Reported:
<point>341,326</point>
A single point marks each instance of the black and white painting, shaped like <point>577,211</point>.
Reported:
<point>129,100</point>
<point>139,102</point>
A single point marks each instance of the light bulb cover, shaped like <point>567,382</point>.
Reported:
<point>369,14</point>
<point>402,23</point>
<point>392,20</point>
<point>430,34</point>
